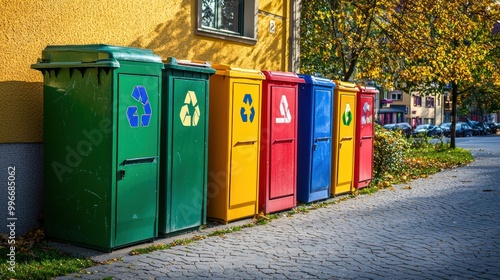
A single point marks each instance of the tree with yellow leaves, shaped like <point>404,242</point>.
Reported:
<point>422,45</point>
<point>445,42</point>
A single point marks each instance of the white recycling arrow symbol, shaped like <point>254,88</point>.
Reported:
<point>286,117</point>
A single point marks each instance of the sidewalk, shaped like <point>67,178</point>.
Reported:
<point>446,226</point>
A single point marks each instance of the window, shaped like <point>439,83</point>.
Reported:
<point>385,94</point>
<point>396,95</point>
<point>429,102</point>
<point>223,15</point>
<point>417,101</point>
<point>228,19</point>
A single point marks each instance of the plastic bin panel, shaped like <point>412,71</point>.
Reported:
<point>283,151</point>
<point>244,153</point>
<point>137,158</point>
<point>366,162</point>
<point>322,140</point>
<point>363,167</point>
<point>188,146</point>
<point>135,214</point>
<point>345,158</point>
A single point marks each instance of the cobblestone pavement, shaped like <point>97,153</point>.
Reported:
<point>444,227</point>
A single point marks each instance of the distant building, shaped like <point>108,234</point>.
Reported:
<point>398,106</point>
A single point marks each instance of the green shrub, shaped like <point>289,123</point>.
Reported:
<point>389,149</point>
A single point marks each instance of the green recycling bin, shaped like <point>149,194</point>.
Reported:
<point>101,144</point>
<point>184,145</point>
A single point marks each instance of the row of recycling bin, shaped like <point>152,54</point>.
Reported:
<point>135,146</point>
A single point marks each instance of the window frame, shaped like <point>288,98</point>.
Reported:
<point>429,102</point>
<point>417,101</point>
<point>247,25</point>
<point>398,94</point>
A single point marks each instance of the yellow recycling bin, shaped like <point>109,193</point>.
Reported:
<point>344,129</point>
<point>233,143</point>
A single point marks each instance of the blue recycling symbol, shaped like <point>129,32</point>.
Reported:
<point>247,99</point>
<point>140,94</point>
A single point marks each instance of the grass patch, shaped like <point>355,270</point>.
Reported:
<point>423,162</point>
<point>368,190</point>
<point>41,262</point>
<point>163,246</point>
<point>262,219</point>
<point>224,231</point>
<point>318,205</point>
<point>149,249</point>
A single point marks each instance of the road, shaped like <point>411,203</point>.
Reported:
<point>444,227</point>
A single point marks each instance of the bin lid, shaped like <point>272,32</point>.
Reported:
<point>227,70</point>
<point>308,79</point>
<point>346,86</point>
<point>98,55</point>
<point>188,65</point>
<point>370,90</point>
<point>282,76</point>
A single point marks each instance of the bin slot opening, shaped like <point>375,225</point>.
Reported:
<point>319,139</point>
<point>283,140</point>
<point>138,160</point>
<point>346,139</point>
<point>241,143</point>
<point>366,137</point>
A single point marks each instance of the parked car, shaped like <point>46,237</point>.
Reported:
<point>494,127</point>
<point>485,129</point>
<point>476,128</point>
<point>428,130</point>
<point>404,128</point>
<point>446,128</point>
<point>462,129</point>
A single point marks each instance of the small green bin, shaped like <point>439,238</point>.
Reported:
<point>101,144</point>
<point>184,145</point>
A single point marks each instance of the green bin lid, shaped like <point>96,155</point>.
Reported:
<point>188,65</point>
<point>99,55</point>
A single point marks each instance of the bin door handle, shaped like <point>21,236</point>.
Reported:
<point>241,143</point>
<point>283,140</point>
<point>319,139</point>
<point>139,160</point>
<point>346,139</point>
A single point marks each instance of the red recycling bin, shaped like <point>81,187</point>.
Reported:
<point>363,166</point>
<point>278,153</point>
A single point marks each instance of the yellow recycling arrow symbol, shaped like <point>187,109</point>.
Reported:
<point>188,118</point>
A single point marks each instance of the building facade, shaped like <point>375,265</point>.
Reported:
<point>249,34</point>
<point>398,106</point>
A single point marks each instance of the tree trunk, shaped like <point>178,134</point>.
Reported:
<point>454,98</point>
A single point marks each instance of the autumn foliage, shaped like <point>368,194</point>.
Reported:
<point>401,43</point>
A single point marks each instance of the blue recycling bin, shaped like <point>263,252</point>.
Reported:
<point>314,142</point>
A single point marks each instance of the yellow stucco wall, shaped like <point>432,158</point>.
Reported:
<point>165,26</point>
